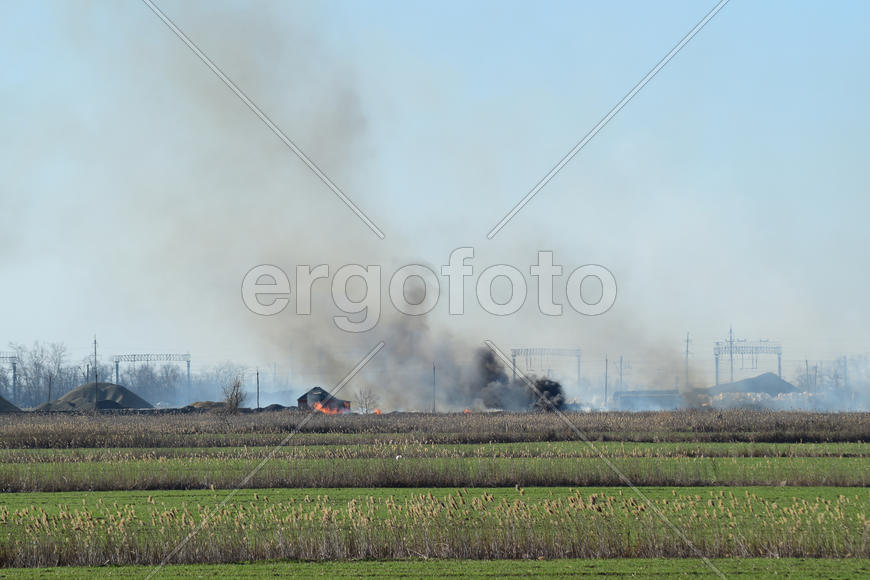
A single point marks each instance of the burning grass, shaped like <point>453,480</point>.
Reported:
<point>86,529</point>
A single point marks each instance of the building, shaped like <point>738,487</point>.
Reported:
<point>322,400</point>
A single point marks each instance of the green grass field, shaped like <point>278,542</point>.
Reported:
<point>376,465</point>
<point>750,568</point>
<point>342,524</point>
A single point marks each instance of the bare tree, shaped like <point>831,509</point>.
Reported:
<point>56,358</point>
<point>38,365</point>
<point>32,367</point>
<point>234,396</point>
<point>366,399</point>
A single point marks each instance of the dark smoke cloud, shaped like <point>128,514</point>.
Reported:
<point>494,389</point>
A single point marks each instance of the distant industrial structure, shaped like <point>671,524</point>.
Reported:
<point>119,358</point>
<point>743,348</point>
<point>537,359</point>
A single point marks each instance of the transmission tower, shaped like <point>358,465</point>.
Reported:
<point>688,341</point>
<point>744,348</point>
<point>11,358</point>
<point>534,357</point>
<point>119,358</point>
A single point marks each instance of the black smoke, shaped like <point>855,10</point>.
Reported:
<point>494,389</point>
<point>552,397</point>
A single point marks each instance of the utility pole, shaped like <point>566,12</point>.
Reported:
<point>258,388</point>
<point>606,366</point>
<point>434,384</point>
<point>807,365</point>
<point>716,359</point>
<point>731,349</point>
<point>845,372</point>
<point>687,360</point>
<point>779,364</point>
<point>96,375</point>
<point>578,368</point>
<point>49,387</point>
<point>12,359</point>
<point>620,371</point>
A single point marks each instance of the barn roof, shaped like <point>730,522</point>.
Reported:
<point>768,383</point>
<point>321,392</point>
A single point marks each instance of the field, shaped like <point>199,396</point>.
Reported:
<point>429,495</point>
<point>425,466</point>
<point>750,568</point>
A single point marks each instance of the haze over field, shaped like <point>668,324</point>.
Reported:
<point>137,190</point>
<point>308,286</point>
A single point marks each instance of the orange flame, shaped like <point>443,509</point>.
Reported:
<point>377,411</point>
<point>326,410</point>
<point>467,411</point>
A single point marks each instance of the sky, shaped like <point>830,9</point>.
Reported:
<point>137,189</point>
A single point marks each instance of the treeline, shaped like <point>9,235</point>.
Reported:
<point>45,371</point>
<point>41,370</point>
<point>843,373</point>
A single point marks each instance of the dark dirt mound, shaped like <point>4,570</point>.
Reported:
<point>109,396</point>
<point>7,407</point>
<point>768,384</point>
<point>208,405</point>
<point>212,407</point>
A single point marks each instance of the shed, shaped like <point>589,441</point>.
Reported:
<point>327,402</point>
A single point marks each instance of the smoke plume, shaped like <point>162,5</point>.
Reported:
<point>492,388</point>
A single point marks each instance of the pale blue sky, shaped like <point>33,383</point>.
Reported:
<point>137,189</point>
